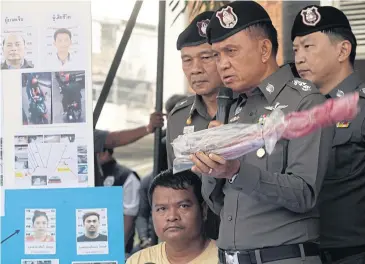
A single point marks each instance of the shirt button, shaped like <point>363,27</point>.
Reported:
<point>230,218</point>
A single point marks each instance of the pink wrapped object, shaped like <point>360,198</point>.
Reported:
<point>235,140</point>
<point>299,124</point>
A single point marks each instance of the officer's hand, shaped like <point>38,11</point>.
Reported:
<point>156,120</point>
<point>214,123</point>
<point>214,165</point>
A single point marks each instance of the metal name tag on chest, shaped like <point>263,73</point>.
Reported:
<point>188,129</point>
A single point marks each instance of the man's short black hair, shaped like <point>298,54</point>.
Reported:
<point>62,31</point>
<point>86,215</point>
<point>341,34</point>
<point>265,30</point>
<point>179,181</point>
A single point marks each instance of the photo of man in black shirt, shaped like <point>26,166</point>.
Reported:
<point>91,221</point>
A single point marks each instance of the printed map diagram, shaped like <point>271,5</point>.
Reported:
<point>49,161</point>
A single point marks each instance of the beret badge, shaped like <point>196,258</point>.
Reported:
<point>202,27</point>
<point>227,18</point>
<point>311,16</point>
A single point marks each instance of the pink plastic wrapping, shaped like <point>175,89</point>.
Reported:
<point>232,141</point>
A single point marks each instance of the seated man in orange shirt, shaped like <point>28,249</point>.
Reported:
<point>178,213</point>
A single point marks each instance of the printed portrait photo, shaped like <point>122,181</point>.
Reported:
<point>40,231</point>
<point>92,231</point>
<point>15,50</point>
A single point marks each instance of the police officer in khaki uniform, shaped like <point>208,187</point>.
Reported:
<point>267,203</point>
<point>325,50</point>
<point>197,111</point>
<point>199,66</point>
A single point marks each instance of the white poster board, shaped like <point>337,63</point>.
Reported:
<point>46,80</point>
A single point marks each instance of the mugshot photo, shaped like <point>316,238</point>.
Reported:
<point>17,51</point>
<point>40,231</point>
<point>64,41</point>
<point>62,48</point>
<point>18,41</point>
<point>68,97</point>
<point>37,98</point>
<point>92,231</point>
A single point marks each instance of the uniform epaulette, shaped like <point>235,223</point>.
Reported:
<point>304,87</point>
<point>185,103</point>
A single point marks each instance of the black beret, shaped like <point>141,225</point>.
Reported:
<point>315,18</point>
<point>195,33</point>
<point>234,17</point>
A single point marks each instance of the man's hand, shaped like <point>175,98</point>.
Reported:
<point>214,165</point>
<point>156,120</point>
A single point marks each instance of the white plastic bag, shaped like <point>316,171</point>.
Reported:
<point>230,141</point>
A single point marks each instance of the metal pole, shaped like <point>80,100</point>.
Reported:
<point>116,61</point>
<point>159,82</point>
<point>98,179</point>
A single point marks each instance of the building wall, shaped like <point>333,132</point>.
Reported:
<point>274,8</point>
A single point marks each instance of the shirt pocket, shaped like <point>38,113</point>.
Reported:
<point>277,161</point>
<point>341,155</point>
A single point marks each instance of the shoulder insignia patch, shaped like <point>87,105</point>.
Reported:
<point>303,86</point>
<point>183,104</point>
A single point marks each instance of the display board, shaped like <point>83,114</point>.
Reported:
<point>46,80</point>
<point>63,226</point>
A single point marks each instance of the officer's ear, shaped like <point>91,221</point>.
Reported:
<point>265,49</point>
<point>344,50</point>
